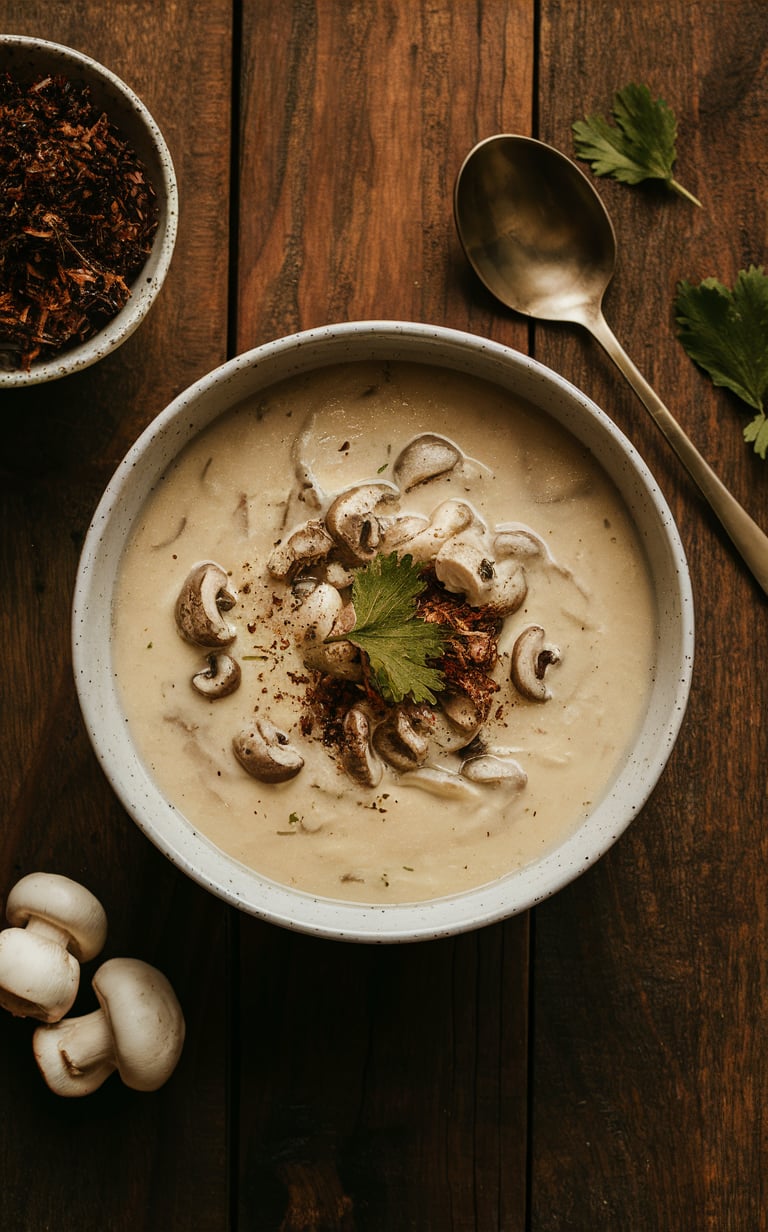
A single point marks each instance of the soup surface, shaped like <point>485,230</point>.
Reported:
<point>261,471</point>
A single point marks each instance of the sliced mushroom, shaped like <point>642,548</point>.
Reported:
<point>338,575</point>
<point>493,771</point>
<point>220,678</point>
<point>465,567</point>
<point>446,736</point>
<point>313,619</point>
<point>267,753</point>
<point>203,598</point>
<point>510,586</point>
<point>354,523</point>
<point>458,720</point>
<point>447,519</point>
<point>337,658</point>
<point>465,715</point>
<point>443,783</point>
<point>519,542</point>
<point>303,548</point>
<point>357,756</point>
<point>402,739</point>
<point>397,531</point>
<point>531,656</point>
<point>340,659</point>
<point>425,457</point>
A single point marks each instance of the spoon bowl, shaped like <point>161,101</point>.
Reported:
<point>533,229</point>
<point>540,239</point>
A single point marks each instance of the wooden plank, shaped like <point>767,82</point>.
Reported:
<point>651,1066</point>
<point>384,1087</point>
<point>355,120</point>
<point>116,1159</point>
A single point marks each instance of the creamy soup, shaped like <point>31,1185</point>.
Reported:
<point>478,804</point>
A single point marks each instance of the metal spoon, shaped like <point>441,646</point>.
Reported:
<point>537,234</point>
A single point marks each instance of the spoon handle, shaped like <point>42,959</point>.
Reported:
<point>750,541</point>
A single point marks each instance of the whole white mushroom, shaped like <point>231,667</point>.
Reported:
<point>56,925</point>
<point>138,1030</point>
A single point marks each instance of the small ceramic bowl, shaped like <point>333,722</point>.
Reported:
<point>248,376</point>
<point>28,59</point>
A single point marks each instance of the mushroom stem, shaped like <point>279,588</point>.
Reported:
<point>47,930</point>
<point>77,1054</point>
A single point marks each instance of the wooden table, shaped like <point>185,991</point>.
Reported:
<point>600,1063</point>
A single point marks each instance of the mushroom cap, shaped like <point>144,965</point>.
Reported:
<point>426,457</point>
<point>352,519</point>
<point>492,770</point>
<point>65,905</point>
<point>401,739</point>
<point>531,656</point>
<point>145,1018</point>
<point>313,619</point>
<point>204,596</point>
<point>357,756</point>
<point>266,753</point>
<point>448,518</point>
<point>307,545</point>
<point>38,977</point>
<point>464,567</point>
<point>219,679</point>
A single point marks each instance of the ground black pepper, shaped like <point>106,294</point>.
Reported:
<point>78,215</point>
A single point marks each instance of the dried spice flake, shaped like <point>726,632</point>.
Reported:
<point>78,215</point>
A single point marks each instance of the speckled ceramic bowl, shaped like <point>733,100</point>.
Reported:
<point>117,515</point>
<point>27,59</point>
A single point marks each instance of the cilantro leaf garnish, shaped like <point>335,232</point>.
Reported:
<point>726,333</point>
<point>639,146</point>
<point>396,641</point>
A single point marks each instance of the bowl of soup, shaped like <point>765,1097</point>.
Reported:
<point>89,240</point>
<point>383,632</point>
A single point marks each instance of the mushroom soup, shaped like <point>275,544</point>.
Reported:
<point>290,740</point>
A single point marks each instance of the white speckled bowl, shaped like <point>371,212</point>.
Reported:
<point>26,59</point>
<point>113,523</point>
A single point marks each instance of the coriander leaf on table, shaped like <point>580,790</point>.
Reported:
<point>387,628</point>
<point>726,333</point>
<point>639,146</point>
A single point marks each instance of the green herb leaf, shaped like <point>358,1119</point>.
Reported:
<point>726,333</point>
<point>395,639</point>
<point>641,144</point>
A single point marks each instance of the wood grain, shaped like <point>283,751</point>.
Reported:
<point>410,87</point>
<point>112,1161</point>
<point>650,1057</point>
<point>600,1063</point>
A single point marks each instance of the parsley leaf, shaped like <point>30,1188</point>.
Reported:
<point>641,144</point>
<point>395,639</point>
<point>726,333</point>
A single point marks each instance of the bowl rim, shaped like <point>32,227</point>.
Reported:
<point>149,280</point>
<point>166,827</point>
